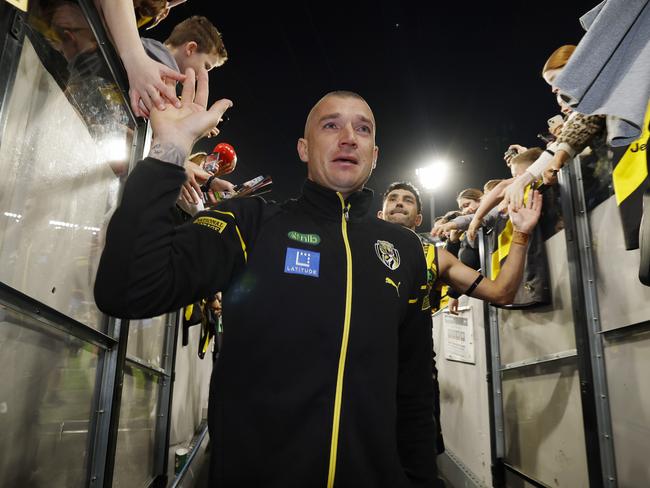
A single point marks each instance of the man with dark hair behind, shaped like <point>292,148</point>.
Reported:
<point>303,394</point>
<point>401,206</point>
<point>401,192</point>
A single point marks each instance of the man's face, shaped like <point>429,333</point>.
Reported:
<point>400,207</point>
<point>188,56</point>
<point>339,144</point>
<point>74,33</point>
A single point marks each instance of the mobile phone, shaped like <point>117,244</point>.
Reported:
<point>510,153</point>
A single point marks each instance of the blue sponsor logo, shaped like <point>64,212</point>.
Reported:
<point>299,261</point>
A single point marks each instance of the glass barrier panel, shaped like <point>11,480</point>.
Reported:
<point>147,339</point>
<point>134,457</point>
<point>544,434</point>
<point>63,154</point>
<point>46,403</point>
<point>539,331</point>
<point>628,360</point>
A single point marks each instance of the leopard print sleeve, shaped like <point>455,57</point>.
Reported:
<point>578,131</point>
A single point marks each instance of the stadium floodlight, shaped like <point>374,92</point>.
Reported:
<point>433,175</point>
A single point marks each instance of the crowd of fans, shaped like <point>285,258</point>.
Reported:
<point>155,68</point>
<point>570,135</point>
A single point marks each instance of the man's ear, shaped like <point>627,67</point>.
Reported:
<point>418,220</point>
<point>375,154</point>
<point>302,149</point>
<point>191,47</point>
<point>380,214</point>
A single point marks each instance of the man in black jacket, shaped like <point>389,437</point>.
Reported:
<point>402,205</point>
<point>324,377</point>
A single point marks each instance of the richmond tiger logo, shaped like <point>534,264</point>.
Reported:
<point>387,254</point>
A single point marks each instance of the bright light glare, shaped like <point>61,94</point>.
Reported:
<point>434,175</point>
<point>114,149</point>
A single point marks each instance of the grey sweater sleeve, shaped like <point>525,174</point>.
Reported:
<point>462,221</point>
<point>488,221</point>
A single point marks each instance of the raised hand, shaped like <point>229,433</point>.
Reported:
<point>148,83</point>
<point>525,218</point>
<point>196,176</point>
<point>514,193</point>
<point>182,126</point>
<point>513,150</point>
<point>443,229</point>
<point>473,228</point>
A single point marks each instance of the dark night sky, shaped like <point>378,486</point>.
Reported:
<point>454,79</point>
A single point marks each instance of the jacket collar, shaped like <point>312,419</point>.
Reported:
<point>327,203</point>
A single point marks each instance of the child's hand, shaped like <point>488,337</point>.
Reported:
<point>147,83</point>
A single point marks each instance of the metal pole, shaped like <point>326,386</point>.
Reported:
<point>432,206</point>
<point>596,352</point>
<point>601,466</point>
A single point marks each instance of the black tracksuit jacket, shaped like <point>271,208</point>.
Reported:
<point>324,378</point>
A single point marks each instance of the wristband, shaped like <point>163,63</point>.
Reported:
<point>539,166</point>
<point>473,286</point>
<point>206,186</point>
<point>567,148</point>
<point>520,238</point>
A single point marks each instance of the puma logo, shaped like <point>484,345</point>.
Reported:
<point>392,283</point>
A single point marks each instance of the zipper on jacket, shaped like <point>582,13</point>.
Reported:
<point>346,212</point>
<point>344,344</point>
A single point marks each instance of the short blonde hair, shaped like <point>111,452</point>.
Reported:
<point>490,185</point>
<point>528,157</point>
<point>198,157</point>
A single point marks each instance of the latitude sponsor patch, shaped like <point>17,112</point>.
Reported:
<point>302,262</point>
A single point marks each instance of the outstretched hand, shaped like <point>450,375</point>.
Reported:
<point>150,86</point>
<point>525,218</point>
<point>514,193</point>
<point>183,126</point>
<point>444,229</point>
<point>196,176</point>
<point>473,228</point>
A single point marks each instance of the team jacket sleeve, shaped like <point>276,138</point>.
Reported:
<point>149,266</point>
<point>416,429</point>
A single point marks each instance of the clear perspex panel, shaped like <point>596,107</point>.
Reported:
<point>64,151</point>
<point>46,403</point>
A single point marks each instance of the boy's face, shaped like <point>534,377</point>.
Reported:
<point>188,56</point>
